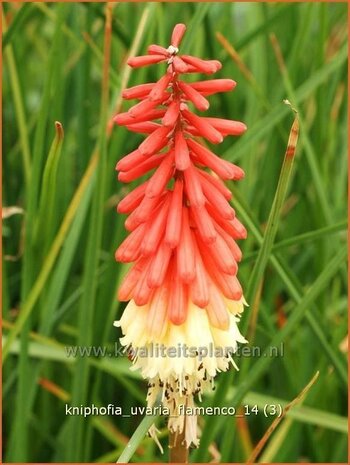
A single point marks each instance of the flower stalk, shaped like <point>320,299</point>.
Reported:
<point>178,452</point>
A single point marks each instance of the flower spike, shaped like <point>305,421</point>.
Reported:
<point>182,286</point>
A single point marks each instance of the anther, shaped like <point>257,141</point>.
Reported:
<point>172,50</point>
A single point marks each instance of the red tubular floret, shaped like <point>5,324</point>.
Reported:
<point>159,266</point>
<point>213,86</point>
<point>178,32</point>
<point>146,127</point>
<point>138,62</point>
<point>217,183</point>
<point>132,200</point>
<point>193,187</point>
<point>216,309</point>
<point>199,286</point>
<point>161,177</point>
<point>129,249</point>
<point>173,228</point>
<point>157,50</point>
<point>159,88</point>
<point>178,299</point>
<point>141,169</point>
<point>204,224</point>
<point>186,266</point>
<point>154,142</point>
<point>222,168</point>
<point>179,65</point>
<point>172,114</point>
<point>205,66</point>
<point>215,197</point>
<point>200,102</point>
<point>182,155</point>
<point>226,126</point>
<point>125,119</point>
<point>139,91</point>
<point>155,229</point>
<point>205,129</point>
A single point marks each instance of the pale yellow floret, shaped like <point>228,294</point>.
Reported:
<point>175,380</point>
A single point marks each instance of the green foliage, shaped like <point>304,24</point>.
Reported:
<point>59,274</point>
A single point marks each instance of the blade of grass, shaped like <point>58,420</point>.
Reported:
<point>276,443</point>
<point>309,151</point>
<point>51,14</point>
<point>118,28</point>
<point>56,288</point>
<point>83,22</point>
<point>232,52</point>
<point>65,261</point>
<point>109,457</point>
<point>266,124</point>
<point>75,446</point>
<point>44,348</point>
<point>114,77</point>
<point>251,35</point>
<point>37,337</point>
<point>136,438</point>
<point>302,238</point>
<point>193,25</point>
<point>273,220</point>
<point>305,414</point>
<point>34,294</point>
<point>109,431</point>
<point>19,106</point>
<point>261,444</point>
<point>126,70</point>
<point>258,369</point>
<point>17,23</point>
<point>294,288</point>
<point>43,229</point>
<point>41,128</point>
<point>19,439</point>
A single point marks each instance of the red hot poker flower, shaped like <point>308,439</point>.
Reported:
<point>183,286</point>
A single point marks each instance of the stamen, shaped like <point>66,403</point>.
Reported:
<point>172,50</point>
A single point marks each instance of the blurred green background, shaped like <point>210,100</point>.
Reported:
<point>60,228</point>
